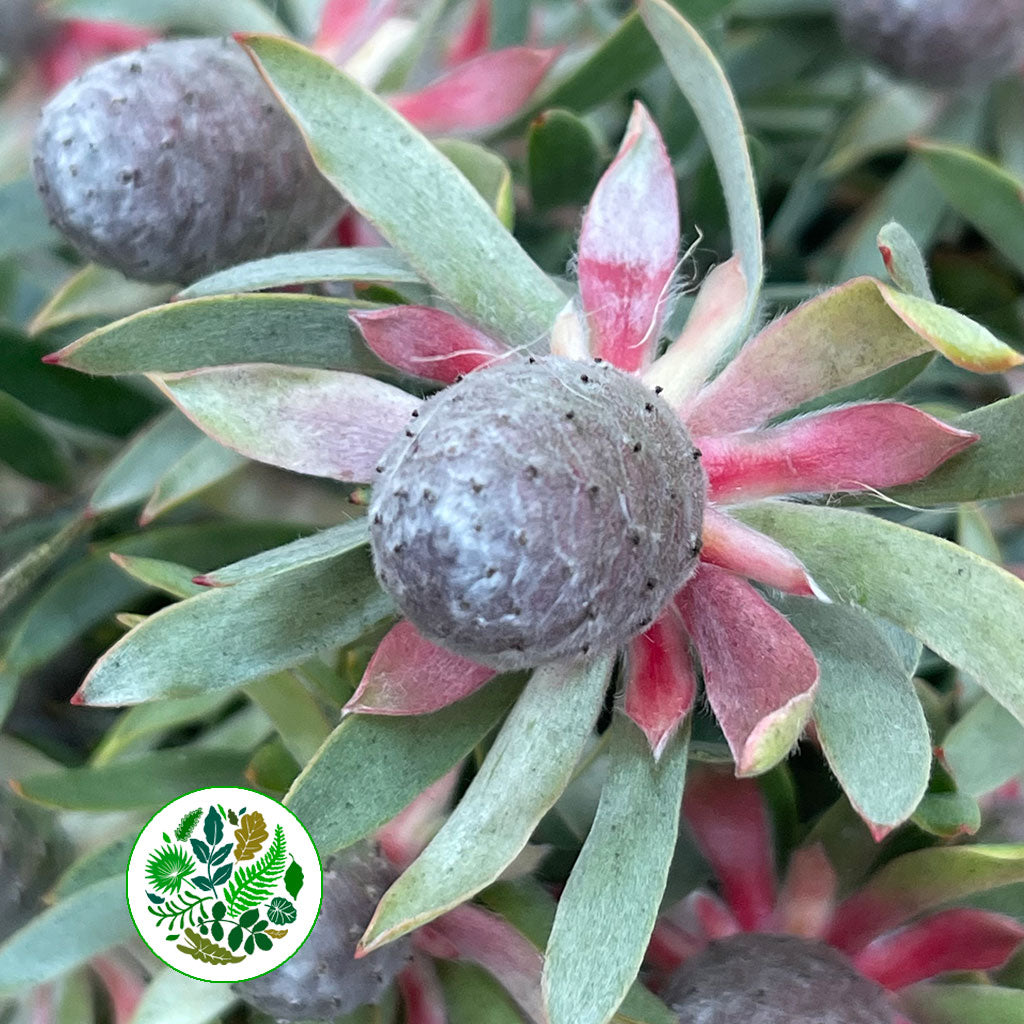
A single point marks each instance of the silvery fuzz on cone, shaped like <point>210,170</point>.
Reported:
<point>538,509</point>
<point>176,160</point>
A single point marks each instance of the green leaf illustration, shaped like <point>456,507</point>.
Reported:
<point>175,912</point>
<point>263,941</point>
<point>251,835</point>
<point>222,874</point>
<point>167,868</point>
<point>207,950</point>
<point>293,879</point>
<point>187,825</point>
<point>213,827</point>
<point>254,883</point>
<point>232,817</point>
<point>281,911</point>
<point>235,937</point>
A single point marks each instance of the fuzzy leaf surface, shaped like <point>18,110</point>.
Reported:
<point>231,635</point>
<point>173,998</point>
<point>350,788</point>
<point>541,740</point>
<point>896,573</point>
<point>411,193</point>
<point>607,912</point>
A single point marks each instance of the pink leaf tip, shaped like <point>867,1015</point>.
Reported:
<point>52,359</point>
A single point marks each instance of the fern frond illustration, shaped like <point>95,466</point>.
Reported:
<point>187,825</point>
<point>167,868</point>
<point>208,951</point>
<point>254,883</point>
<point>174,913</point>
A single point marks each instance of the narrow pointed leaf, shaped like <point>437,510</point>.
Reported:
<point>703,82</point>
<point>628,247</point>
<point>759,673</point>
<point>836,339</point>
<point>953,940</point>
<point>421,992</point>
<point>427,342</point>
<point>730,544</point>
<point>203,19</point>
<point>991,198</point>
<point>541,741</point>
<point>477,95</point>
<point>295,712</point>
<point>963,1004</point>
<point>350,788</point>
<point>487,172</point>
<point>607,911</point>
<point>397,180</point>
<point>68,934</point>
<point>206,463</point>
<point>31,447</point>
<point>877,444</point>
<point>869,720</point>
<point>896,573</point>
<point>230,635</point>
<point>97,292</point>
<point>131,477</point>
<point>662,684</point>
<point>920,881</point>
<point>730,823</point>
<point>321,422</point>
<point>371,263</point>
<point>408,675</point>
<point>305,551</point>
<point>957,337</point>
<point>170,577</point>
<point>297,330</point>
<point>807,898</point>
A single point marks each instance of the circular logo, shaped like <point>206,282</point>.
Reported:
<point>224,884</point>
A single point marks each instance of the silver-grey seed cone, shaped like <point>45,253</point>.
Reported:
<point>322,980</point>
<point>176,160</point>
<point>537,510</point>
<point>774,979</point>
<point>23,28</point>
<point>940,43</point>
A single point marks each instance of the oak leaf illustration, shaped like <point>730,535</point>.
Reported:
<point>251,835</point>
<point>207,950</point>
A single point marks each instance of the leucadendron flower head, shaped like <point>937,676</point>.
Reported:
<point>820,945</point>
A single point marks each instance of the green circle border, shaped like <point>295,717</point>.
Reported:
<point>208,789</point>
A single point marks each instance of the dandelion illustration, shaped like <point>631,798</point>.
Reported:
<point>166,869</point>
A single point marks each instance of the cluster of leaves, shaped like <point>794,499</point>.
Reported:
<point>113,504</point>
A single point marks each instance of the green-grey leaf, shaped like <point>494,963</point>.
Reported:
<point>29,445</point>
<point>963,1004</point>
<point>350,788</point>
<point>139,783</point>
<point>991,198</point>
<point>295,330</point>
<point>608,909</point>
<point>703,82</point>
<point>523,774</point>
<point>221,18</point>
<point>487,172</point>
<point>335,540</point>
<point>412,194</point>
<point>26,223</point>
<point>97,291</point>
<point>95,866</point>
<point>370,263</point>
<point>131,477</point>
<point>564,163</point>
<point>296,714</point>
<point>231,635</point>
<point>206,463</point>
<point>170,577</point>
<point>66,935</point>
<point>869,720</point>
<point>173,998</point>
<point>985,748</point>
<point>966,609</point>
<point>904,261</point>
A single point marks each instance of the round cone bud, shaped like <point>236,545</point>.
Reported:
<point>23,28</point>
<point>176,160</point>
<point>774,979</point>
<point>941,43</point>
<point>537,510</point>
<point>29,863</point>
<point>323,980</point>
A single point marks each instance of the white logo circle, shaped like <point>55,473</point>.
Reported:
<point>224,884</point>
